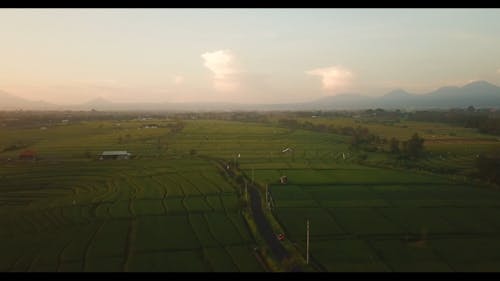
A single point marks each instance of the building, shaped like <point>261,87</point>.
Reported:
<point>27,155</point>
<point>115,155</point>
<point>150,126</point>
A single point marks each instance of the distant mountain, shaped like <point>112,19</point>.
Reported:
<point>478,94</point>
<point>10,102</point>
<point>342,101</point>
<point>396,99</point>
<point>104,104</point>
<point>97,102</point>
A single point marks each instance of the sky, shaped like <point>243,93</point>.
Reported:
<point>68,56</point>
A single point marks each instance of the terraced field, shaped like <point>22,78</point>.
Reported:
<point>69,212</point>
<point>170,209</point>
<point>389,220</point>
<point>108,220</point>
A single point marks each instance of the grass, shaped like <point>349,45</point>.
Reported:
<point>170,233</point>
<point>405,257</point>
<point>346,255</point>
<point>167,210</point>
<point>110,239</point>
<point>219,260</point>
<point>179,261</point>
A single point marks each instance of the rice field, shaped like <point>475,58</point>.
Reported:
<point>389,223</point>
<point>69,212</point>
<point>169,208</point>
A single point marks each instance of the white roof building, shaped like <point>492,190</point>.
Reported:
<point>115,154</point>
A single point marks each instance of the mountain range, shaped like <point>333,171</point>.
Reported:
<point>479,94</point>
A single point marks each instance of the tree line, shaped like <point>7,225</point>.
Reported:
<point>485,121</point>
<point>362,139</point>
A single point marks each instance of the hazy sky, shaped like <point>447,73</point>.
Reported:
<point>242,55</point>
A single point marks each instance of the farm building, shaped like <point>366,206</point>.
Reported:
<point>150,126</point>
<point>27,155</point>
<point>283,179</point>
<point>116,155</point>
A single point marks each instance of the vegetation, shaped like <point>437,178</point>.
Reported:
<point>485,121</point>
<point>382,191</point>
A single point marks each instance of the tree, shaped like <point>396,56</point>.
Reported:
<point>87,154</point>
<point>394,145</point>
<point>414,146</point>
<point>488,167</point>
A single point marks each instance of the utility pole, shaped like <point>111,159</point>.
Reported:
<point>252,177</point>
<point>307,243</point>
<point>267,195</point>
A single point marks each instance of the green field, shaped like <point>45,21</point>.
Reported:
<point>169,208</point>
<point>394,223</point>
<point>161,211</point>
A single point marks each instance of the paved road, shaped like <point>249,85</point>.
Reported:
<point>265,229</point>
<point>263,225</point>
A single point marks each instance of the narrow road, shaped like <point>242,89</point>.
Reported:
<point>265,229</point>
<point>263,225</point>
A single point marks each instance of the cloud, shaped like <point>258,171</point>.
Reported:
<point>178,79</point>
<point>222,65</point>
<point>333,78</point>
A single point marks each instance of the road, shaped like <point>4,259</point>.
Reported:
<point>263,225</point>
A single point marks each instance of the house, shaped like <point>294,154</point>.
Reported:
<point>284,179</point>
<point>116,155</point>
<point>288,149</point>
<point>150,126</point>
<point>27,155</point>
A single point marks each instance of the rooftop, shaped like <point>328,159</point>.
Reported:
<point>115,153</point>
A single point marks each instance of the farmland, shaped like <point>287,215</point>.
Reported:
<point>171,207</point>
<point>71,212</point>
<point>394,226</point>
<point>119,218</point>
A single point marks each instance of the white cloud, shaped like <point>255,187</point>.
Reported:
<point>333,78</point>
<point>178,79</point>
<point>222,64</point>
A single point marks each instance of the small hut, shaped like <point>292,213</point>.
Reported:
<point>28,155</point>
<point>116,155</point>
<point>283,179</point>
